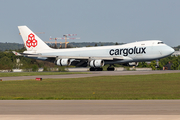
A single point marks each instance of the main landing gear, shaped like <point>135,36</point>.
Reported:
<point>110,68</point>
<point>96,69</point>
<point>101,69</point>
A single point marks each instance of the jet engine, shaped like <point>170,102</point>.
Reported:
<point>96,63</point>
<point>63,62</point>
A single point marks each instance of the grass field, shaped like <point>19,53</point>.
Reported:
<point>12,74</point>
<point>159,86</point>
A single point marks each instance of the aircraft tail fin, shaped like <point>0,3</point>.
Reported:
<point>31,40</point>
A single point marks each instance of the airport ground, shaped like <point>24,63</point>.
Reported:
<point>92,74</point>
<point>90,109</point>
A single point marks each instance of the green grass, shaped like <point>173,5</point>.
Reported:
<point>12,74</point>
<point>159,86</point>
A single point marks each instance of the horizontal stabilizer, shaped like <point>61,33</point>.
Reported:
<point>17,54</point>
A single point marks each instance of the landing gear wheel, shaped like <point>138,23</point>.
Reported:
<point>110,69</point>
<point>96,69</point>
<point>92,69</point>
<point>99,69</point>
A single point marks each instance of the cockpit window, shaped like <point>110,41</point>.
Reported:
<point>160,43</point>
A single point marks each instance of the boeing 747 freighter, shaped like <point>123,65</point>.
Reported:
<point>95,57</point>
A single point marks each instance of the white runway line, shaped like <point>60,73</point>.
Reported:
<point>90,117</point>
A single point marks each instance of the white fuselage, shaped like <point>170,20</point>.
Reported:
<point>95,57</point>
<point>131,52</point>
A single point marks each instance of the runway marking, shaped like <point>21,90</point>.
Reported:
<point>89,117</point>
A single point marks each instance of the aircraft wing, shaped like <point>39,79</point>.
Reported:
<point>69,57</point>
<point>79,57</point>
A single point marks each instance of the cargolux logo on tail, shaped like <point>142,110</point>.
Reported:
<point>31,42</point>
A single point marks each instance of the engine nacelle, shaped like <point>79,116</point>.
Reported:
<point>96,63</point>
<point>133,63</point>
<point>63,62</point>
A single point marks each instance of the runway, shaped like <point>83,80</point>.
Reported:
<point>90,107</point>
<point>92,74</point>
<point>87,109</point>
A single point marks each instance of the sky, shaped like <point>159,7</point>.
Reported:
<point>121,21</point>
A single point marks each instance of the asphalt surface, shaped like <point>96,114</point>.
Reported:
<point>92,74</point>
<point>90,107</point>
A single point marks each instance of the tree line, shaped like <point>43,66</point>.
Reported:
<point>9,61</point>
<point>158,65</point>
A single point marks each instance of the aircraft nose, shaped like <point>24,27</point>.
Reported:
<point>172,50</point>
<point>167,51</point>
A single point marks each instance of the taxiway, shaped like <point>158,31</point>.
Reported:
<point>92,74</point>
